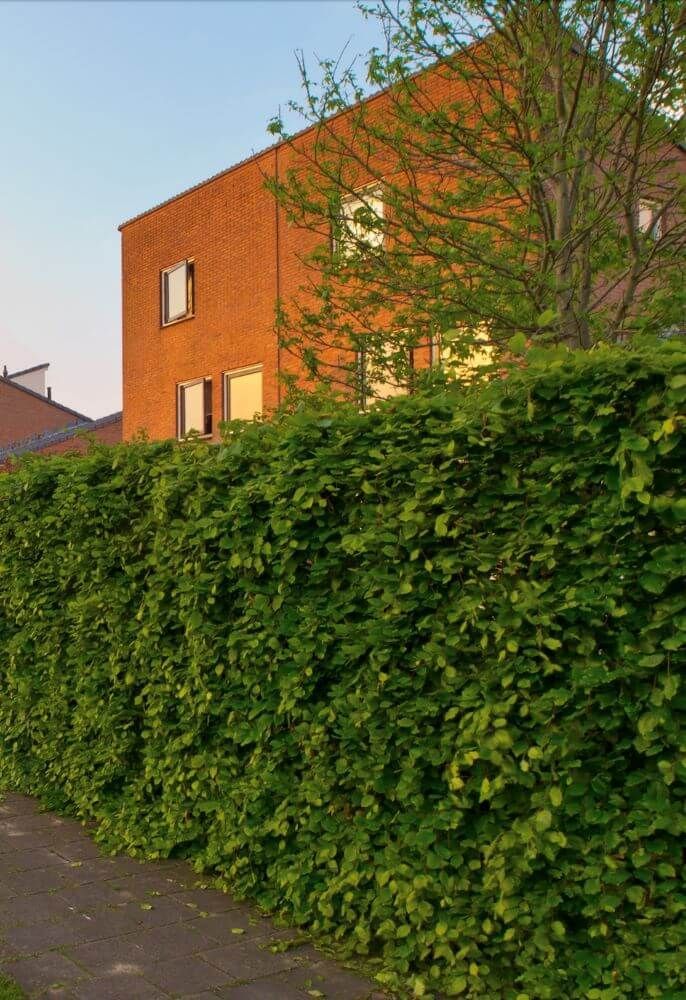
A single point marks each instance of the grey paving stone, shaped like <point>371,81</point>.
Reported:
<point>141,885</point>
<point>223,928</point>
<point>182,976</point>
<point>39,880</point>
<point>15,840</point>
<point>136,930</point>
<point>209,900</point>
<point>41,937</point>
<point>54,993</point>
<point>333,981</point>
<point>92,896</point>
<point>78,850</point>
<point>83,872</point>
<point>266,989</point>
<point>250,962</point>
<point>35,909</point>
<point>123,986</point>
<point>156,912</point>
<point>43,971</point>
<point>172,941</point>
<point>111,957</point>
<point>41,857</point>
<point>103,925</point>
<point>7,952</point>
<point>15,802</point>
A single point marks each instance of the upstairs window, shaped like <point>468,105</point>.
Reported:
<point>194,407</point>
<point>648,222</point>
<point>382,378</point>
<point>177,292</point>
<point>243,393</point>
<point>360,222</point>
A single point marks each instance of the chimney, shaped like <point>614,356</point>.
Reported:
<point>5,373</point>
<point>49,392</point>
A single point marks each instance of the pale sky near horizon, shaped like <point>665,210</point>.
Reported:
<point>107,108</point>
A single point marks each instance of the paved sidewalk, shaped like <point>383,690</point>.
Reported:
<point>78,926</point>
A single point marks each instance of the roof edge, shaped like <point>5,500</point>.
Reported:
<point>27,371</point>
<point>286,142</point>
<point>44,399</point>
<point>274,146</point>
<point>37,442</point>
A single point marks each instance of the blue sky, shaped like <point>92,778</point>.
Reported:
<point>106,109</point>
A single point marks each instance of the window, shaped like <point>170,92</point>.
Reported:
<point>194,407</point>
<point>481,355</point>
<point>384,377</point>
<point>648,223</point>
<point>360,222</point>
<point>177,292</point>
<point>243,393</point>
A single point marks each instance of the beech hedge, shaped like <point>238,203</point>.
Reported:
<point>412,678</point>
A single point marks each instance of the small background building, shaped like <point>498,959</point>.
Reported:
<point>31,420</point>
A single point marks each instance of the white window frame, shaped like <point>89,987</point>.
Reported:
<point>647,220</point>
<point>189,271</point>
<point>180,407</point>
<point>351,240</point>
<point>226,386</point>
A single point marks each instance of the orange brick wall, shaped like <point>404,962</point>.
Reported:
<point>243,259</point>
<point>246,254</point>
<point>228,227</point>
<point>23,414</point>
<point>109,434</point>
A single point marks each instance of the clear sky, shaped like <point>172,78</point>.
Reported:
<point>107,108</point>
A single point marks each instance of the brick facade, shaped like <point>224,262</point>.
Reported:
<point>246,255</point>
<point>228,227</point>
<point>75,439</point>
<point>24,413</point>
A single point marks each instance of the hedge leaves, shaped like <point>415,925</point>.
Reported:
<point>414,678</point>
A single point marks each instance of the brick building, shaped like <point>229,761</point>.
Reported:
<point>31,420</point>
<point>72,440</point>
<point>201,276</point>
<point>27,407</point>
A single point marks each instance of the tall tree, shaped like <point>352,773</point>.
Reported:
<point>522,175</point>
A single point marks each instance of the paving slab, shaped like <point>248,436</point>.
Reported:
<point>77,925</point>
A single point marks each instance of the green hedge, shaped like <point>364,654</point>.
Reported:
<point>411,678</point>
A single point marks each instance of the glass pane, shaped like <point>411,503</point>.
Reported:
<point>647,223</point>
<point>244,395</point>
<point>388,381</point>
<point>194,406</point>
<point>356,214</point>
<point>177,291</point>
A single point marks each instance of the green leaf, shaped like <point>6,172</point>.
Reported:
<point>543,820</point>
<point>517,343</point>
<point>546,318</point>
<point>441,525</point>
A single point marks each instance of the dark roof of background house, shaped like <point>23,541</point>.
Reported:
<point>38,442</point>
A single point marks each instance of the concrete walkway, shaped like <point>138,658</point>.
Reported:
<point>78,926</point>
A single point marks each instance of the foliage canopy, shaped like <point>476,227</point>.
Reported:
<point>522,175</point>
